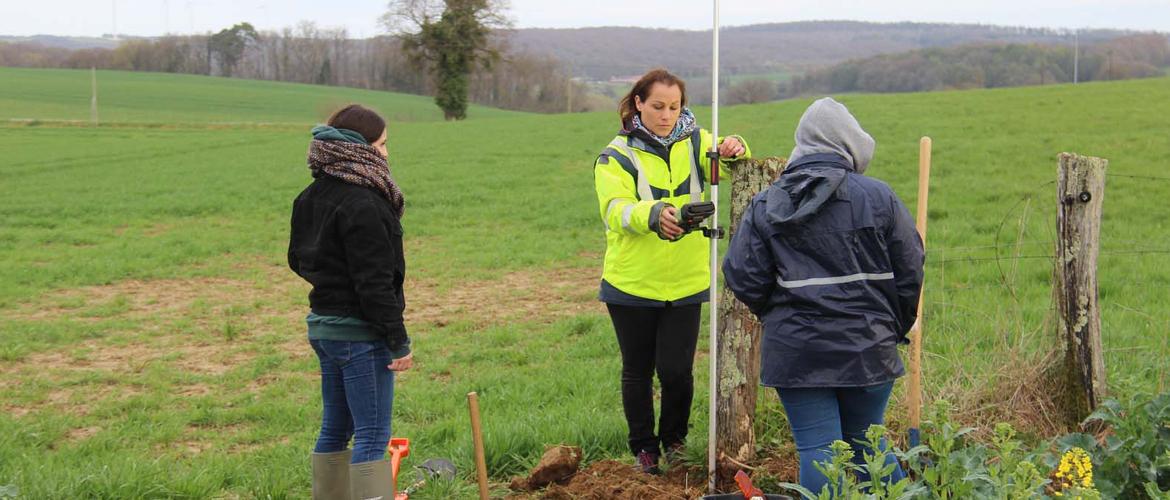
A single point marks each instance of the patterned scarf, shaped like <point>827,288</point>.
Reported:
<point>682,129</point>
<point>356,164</point>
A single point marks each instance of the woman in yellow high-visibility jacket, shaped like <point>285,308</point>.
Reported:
<point>656,277</point>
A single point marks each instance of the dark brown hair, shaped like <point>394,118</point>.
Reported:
<point>360,119</point>
<point>627,108</point>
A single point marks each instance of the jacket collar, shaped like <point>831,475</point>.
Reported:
<point>638,139</point>
<point>820,159</point>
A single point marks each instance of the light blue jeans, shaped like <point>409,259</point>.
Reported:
<point>820,416</point>
<point>358,394</point>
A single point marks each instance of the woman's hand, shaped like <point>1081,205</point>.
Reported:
<point>402,364</point>
<point>730,148</point>
<point>668,223</point>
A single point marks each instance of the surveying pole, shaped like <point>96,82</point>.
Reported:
<point>714,234</point>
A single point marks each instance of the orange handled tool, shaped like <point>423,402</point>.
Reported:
<point>399,449</point>
<point>749,491</point>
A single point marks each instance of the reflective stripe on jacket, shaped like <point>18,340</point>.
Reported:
<point>634,182</point>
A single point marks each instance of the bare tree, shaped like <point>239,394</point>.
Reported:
<point>752,91</point>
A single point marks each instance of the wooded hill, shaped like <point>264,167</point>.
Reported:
<point>604,53</point>
<point>990,66</point>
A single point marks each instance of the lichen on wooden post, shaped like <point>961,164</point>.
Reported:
<point>739,330</point>
<point>1080,192</point>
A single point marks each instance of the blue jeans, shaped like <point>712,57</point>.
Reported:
<point>358,393</point>
<point>819,416</point>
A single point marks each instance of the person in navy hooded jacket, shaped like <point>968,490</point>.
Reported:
<point>831,263</point>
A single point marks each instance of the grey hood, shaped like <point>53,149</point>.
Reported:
<point>829,144</point>
<point>828,127</point>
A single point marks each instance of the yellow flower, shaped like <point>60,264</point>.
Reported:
<point>1073,475</point>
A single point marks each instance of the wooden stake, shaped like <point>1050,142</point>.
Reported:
<point>93,108</point>
<point>477,439</point>
<point>915,389</point>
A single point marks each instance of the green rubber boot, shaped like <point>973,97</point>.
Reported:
<point>371,481</point>
<point>331,475</point>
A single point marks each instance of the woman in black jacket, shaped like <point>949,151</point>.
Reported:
<point>831,263</point>
<point>347,242</point>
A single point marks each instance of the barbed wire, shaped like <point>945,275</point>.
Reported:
<point>1024,306</point>
<point>1104,243</point>
<point>1147,177</point>
<point>1048,256</point>
<point>982,247</point>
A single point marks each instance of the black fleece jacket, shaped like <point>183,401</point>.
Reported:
<point>347,242</point>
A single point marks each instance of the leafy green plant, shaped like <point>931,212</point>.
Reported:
<point>1131,459</point>
<point>845,476</point>
<point>1012,471</point>
<point>842,482</point>
<point>945,464</point>
<point>949,465</point>
<point>876,469</point>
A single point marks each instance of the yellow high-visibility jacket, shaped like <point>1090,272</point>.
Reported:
<point>634,183</point>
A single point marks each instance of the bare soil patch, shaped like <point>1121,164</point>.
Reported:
<point>619,480</point>
<point>530,295</point>
<point>544,296</point>
<point>136,299</point>
<point>90,355</point>
<point>207,326</point>
<point>81,434</point>
<point>611,479</point>
<point>76,400</point>
<point>194,390</point>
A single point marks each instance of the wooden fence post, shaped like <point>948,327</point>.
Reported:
<point>93,103</point>
<point>1080,191</point>
<point>739,331</point>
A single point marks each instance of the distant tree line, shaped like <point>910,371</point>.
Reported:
<point>307,53</point>
<point>989,66</point>
<point>605,52</point>
<point>525,79</point>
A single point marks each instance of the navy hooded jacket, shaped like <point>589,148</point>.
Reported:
<point>831,263</point>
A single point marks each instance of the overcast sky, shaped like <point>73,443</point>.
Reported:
<point>154,17</point>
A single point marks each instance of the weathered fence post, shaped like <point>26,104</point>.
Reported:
<point>93,104</point>
<point>739,331</point>
<point>1080,190</point>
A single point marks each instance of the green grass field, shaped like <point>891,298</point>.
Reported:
<point>170,99</point>
<point>154,341</point>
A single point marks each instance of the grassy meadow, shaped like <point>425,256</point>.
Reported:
<point>154,344</point>
<point>164,99</point>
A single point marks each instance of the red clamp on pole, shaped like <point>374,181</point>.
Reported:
<point>714,157</point>
<point>714,231</point>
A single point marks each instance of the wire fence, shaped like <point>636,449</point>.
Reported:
<point>997,295</point>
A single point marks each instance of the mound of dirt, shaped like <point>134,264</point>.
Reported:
<point>557,464</point>
<point>617,480</point>
<point>611,479</point>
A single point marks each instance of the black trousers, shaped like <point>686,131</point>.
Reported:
<point>658,339</point>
